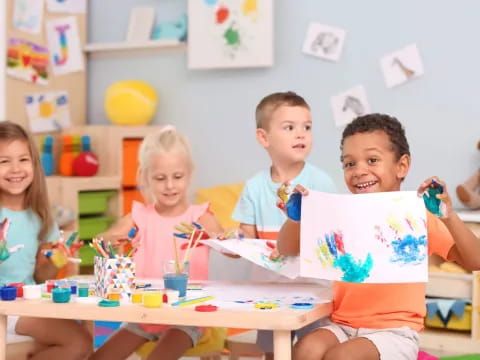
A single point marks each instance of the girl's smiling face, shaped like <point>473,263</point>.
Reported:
<point>370,163</point>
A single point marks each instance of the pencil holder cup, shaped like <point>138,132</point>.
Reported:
<point>175,277</point>
<point>117,273</point>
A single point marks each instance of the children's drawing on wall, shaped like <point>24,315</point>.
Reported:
<point>401,66</point>
<point>28,15</point>
<point>230,33</point>
<point>27,61</point>
<point>258,251</point>
<point>368,238</point>
<point>349,104</point>
<point>67,6</point>
<point>324,41</point>
<point>48,111</point>
<point>66,54</point>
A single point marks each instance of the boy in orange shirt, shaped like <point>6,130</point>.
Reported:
<point>380,321</point>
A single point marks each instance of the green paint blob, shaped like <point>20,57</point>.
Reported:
<point>232,36</point>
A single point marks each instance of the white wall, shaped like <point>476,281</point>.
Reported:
<point>216,108</point>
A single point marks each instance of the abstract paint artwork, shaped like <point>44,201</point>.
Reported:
<point>366,238</point>
<point>401,66</point>
<point>230,33</point>
<point>349,104</point>
<point>27,61</point>
<point>48,111</point>
<point>66,55</point>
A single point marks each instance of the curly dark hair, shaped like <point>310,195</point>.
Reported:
<point>382,122</point>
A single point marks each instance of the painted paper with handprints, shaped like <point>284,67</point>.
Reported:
<point>258,252</point>
<point>368,238</point>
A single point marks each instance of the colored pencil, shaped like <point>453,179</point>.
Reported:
<point>193,301</point>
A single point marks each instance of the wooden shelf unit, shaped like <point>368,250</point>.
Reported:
<point>452,342</point>
<point>107,144</point>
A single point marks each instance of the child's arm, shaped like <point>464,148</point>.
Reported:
<point>119,230</point>
<point>249,231</point>
<point>466,249</point>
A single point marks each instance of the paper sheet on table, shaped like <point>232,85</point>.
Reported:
<point>257,251</point>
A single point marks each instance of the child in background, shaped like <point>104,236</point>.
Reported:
<point>24,202</point>
<point>164,174</point>
<point>284,129</point>
<point>380,321</point>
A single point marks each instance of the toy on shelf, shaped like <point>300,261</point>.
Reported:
<point>64,251</point>
<point>67,156</point>
<point>130,102</point>
<point>46,157</point>
<point>86,163</point>
<point>469,192</point>
<point>6,251</point>
<point>172,30</point>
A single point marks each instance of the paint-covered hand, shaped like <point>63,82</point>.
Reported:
<point>6,252</point>
<point>186,230</point>
<point>291,204</point>
<point>436,197</point>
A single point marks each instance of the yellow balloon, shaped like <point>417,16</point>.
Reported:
<point>130,102</point>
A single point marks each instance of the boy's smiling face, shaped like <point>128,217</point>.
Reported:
<point>370,163</point>
<point>288,137</point>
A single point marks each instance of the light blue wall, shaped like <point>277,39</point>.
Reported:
<point>215,108</point>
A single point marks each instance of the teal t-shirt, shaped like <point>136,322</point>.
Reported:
<point>24,229</point>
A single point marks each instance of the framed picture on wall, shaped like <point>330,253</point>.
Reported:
<point>230,33</point>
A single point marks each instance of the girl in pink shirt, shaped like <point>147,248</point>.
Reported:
<point>164,174</point>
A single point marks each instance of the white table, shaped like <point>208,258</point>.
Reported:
<point>281,320</point>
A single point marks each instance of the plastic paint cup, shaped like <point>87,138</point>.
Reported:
<point>83,292</point>
<point>137,296</point>
<point>61,295</point>
<point>73,286</point>
<point>51,284</point>
<point>152,299</point>
<point>19,286</point>
<point>114,294</point>
<point>32,292</point>
<point>172,296</point>
<point>8,293</point>
<point>175,278</point>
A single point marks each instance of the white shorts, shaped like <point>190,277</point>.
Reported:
<point>12,336</point>
<point>194,332</point>
<point>392,344</point>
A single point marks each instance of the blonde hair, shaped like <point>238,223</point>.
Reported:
<point>166,140</point>
<point>270,103</point>
<point>36,196</point>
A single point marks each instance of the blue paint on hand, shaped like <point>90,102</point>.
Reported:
<point>431,201</point>
<point>294,206</point>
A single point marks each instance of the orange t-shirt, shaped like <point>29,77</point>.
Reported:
<point>381,306</point>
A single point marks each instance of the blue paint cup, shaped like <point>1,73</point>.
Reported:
<point>61,295</point>
<point>8,293</point>
<point>175,277</point>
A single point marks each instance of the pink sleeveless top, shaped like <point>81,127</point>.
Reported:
<point>155,233</point>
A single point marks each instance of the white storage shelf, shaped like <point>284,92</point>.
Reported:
<point>125,48</point>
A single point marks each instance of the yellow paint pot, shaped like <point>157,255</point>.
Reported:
<point>137,297</point>
<point>114,294</point>
<point>152,299</point>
